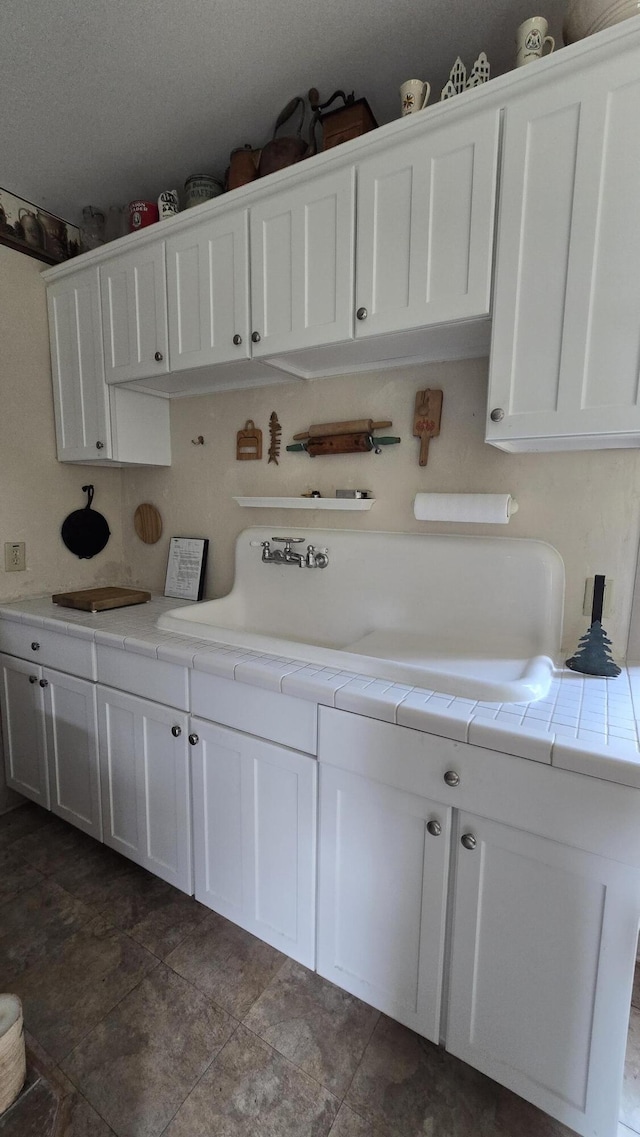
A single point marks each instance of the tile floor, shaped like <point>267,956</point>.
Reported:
<point>147,1014</point>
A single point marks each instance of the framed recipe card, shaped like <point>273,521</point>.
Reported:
<point>186,567</point>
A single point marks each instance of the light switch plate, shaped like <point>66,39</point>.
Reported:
<point>15,556</point>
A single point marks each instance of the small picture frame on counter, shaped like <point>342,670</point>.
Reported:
<point>186,567</point>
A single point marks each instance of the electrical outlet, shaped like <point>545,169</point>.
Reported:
<point>607,602</point>
<point>15,556</point>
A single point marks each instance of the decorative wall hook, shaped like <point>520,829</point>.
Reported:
<point>199,441</point>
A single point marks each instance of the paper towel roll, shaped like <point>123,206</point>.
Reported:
<point>478,508</point>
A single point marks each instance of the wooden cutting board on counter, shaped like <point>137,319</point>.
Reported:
<point>101,599</point>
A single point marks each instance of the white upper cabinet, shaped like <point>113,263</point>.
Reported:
<point>134,313</point>
<point>302,247</point>
<point>80,396</point>
<point>565,353</point>
<point>425,227</point>
<point>208,292</point>
<point>95,423</point>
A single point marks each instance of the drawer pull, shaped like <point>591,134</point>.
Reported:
<point>158,357</point>
<point>33,678</point>
<point>176,731</point>
<point>255,336</point>
<point>193,739</point>
<point>452,778</point>
<point>434,828</point>
<point>237,340</point>
<point>35,646</point>
<point>468,841</point>
<point>44,682</point>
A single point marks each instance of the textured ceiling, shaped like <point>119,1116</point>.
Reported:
<point>102,101</point>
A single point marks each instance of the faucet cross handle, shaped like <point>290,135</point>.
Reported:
<point>289,541</point>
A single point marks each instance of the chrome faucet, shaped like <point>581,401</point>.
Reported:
<point>314,558</point>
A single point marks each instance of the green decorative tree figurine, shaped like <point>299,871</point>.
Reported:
<point>593,656</point>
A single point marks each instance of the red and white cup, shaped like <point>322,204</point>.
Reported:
<point>141,214</point>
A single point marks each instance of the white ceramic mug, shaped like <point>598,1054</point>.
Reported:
<point>414,95</point>
<point>531,37</point>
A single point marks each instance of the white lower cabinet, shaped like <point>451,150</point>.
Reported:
<point>72,750</point>
<point>254,829</point>
<point>144,771</point>
<point>540,983</point>
<point>383,878</point>
<point>23,733</point>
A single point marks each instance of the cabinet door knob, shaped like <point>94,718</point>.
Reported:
<point>99,445</point>
<point>158,357</point>
<point>176,731</point>
<point>237,340</point>
<point>452,778</point>
<point>362,314</point>
<point>497,414</point>
<point>35,646</point>
<point>193,739</point>
<point>255,336</point>
<point>33,678</point>
<point>434,828</point>
<point>44,682</point>
<point>468,840</point>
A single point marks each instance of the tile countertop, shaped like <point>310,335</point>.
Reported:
<point>586,724</point>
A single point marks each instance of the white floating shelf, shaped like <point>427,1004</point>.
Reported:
<point>352,503</point>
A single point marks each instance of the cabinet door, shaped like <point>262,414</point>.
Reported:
<point>208,292</point>
<point>134,314</point>
<point>541,970</point>
<point>425,228</point>
<point>382,894</point>
<point>23,734</point>
<point>302,243</point>
<point>80,396</point>
<point>566,334</point>
<point>144,768</point>
<point>254,827</point>
<point>72,750</point>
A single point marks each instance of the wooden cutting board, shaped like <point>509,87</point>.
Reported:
<point>426,420</point>
<point>101,599</point>
<point>249,442</point>
<point>147,523</point>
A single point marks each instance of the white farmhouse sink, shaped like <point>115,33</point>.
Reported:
<point>478,617</point>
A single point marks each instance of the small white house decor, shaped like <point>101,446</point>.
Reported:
<point>458,81</point>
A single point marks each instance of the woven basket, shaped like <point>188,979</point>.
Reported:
<point>13,1065</point>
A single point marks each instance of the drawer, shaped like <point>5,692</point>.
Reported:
<point>279,718</point>
<point>598,816</point>
<point>49,648</point>
<point>154,679</point>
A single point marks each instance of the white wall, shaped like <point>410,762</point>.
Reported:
<point>38,491</point>
<point>585,504</point>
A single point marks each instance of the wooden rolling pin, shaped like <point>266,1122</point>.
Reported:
<point>355,426</point>
<point>358,443</point>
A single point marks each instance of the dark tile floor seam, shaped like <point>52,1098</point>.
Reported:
<point>286,1058</point>
<point>359,1064</point>
<point>205,1071</point>
<point>64,1057</point>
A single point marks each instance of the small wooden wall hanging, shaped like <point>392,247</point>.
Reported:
<point>275,430</point>
<point>426,420</point>
<point>249,442</point>
<point>147,523</point>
